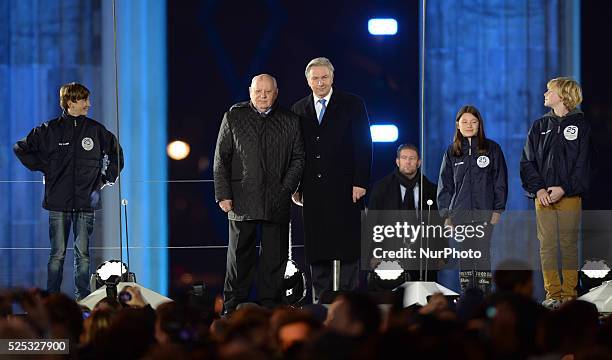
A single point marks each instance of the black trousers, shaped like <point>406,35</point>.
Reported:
<point>483,245</point>
<point>477,272</point>
<point>322,277</point>
<point>242,262</point>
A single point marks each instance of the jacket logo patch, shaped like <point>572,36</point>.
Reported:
<point>482,161</point>
<point>87,144</point>
<point>571,132</point>
<point>64,144</point>
<point>459,163</point>
<point>546,132</point>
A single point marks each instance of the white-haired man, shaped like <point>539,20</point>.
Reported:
<point>338,149</point>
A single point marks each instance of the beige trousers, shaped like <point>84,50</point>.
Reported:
<point>558,227</point>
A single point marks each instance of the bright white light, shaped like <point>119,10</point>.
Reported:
<point>382,26</point>
<point>110,268</point>
<point>596,274</point>
<point>383,133</point>
<point>595,269</point>
<point>389,270</point>
<point>178,150</point>
<point>290,270</point>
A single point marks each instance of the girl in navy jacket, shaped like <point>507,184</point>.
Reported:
<point>473,188</point>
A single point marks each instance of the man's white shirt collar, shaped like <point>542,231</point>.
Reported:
<point>327,97</point>
<point>318,105</point>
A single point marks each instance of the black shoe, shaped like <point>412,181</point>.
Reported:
<point>484,281</point>
<point>466,280</point>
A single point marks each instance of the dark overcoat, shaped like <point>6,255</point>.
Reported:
<point>338,157</point>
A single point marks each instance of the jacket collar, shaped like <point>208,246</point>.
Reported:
<point>270,111</point>
<point>71,118</point>
<point>465,144</point>
<point>552,114</point>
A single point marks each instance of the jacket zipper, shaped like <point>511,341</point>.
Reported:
<point>73,167</point>
<point>469,168</point>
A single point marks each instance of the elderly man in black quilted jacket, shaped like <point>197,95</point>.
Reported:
<point>259,160</point>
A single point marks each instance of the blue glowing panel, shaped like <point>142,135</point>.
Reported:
<point>383,133</point>
<point>382,26</point>
<point>142,85</point>
<point>503,55</point>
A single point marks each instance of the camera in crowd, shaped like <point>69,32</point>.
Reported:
<point>124,297</point>
<point>12,301</point>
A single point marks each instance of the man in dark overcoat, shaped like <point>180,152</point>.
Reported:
<point>338,149</point>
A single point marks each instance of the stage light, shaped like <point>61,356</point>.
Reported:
<point>594,273</point>
<point>597,279</point>
<point>389,270</point>
<point>110,274</point>
<point>382,26</point>
<point>595,269</point>
<point>110,270</point>
<point>178,150</point>
<point>383,133</point>
<point>294,284</point>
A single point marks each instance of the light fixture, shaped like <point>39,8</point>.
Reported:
<point>384,133</point>
<point>389,270</point>
<point>388,275</point>
<point>178,150</point>
<point>595,272</point>
<point>382,26</point>
<point>110,273</point>
<point>294,284</point>
<point>595,269</point>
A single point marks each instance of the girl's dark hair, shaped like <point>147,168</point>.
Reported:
<point>482,139</point>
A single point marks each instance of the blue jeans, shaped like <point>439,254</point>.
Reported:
<point>59,228</point>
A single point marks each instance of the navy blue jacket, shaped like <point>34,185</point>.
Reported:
<point>473,185</point>
<point>557,154</point>
<point>78,157</point>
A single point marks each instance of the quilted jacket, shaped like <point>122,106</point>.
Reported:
<point>258,163</point>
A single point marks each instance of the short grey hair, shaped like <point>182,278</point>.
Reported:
<point>320,61</point>
<point>262,76</point>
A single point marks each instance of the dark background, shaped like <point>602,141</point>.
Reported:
<point>212,56</point>
<point>597,104</point>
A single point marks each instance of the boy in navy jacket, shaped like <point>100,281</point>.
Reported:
<point>554,172</point>
<point>78,157</point>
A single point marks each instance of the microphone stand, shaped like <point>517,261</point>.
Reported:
<point>124,202</point>
<point>429,203</point>
<point>417,292</point>
<point>420,219</point>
